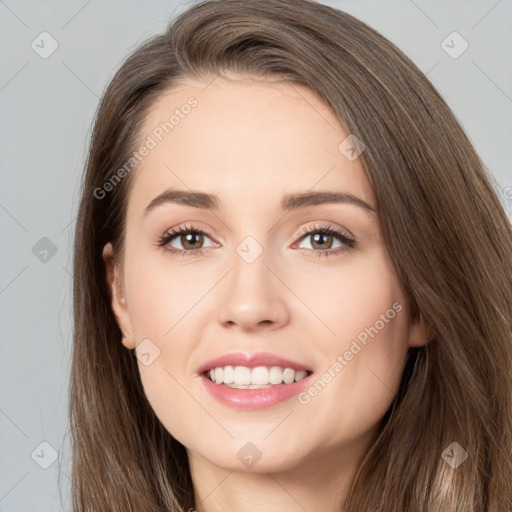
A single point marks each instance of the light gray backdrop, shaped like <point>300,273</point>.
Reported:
<point>57,58</point>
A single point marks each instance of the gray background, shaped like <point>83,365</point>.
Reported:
<point>46,108</point>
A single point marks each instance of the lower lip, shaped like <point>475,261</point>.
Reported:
<point>254,399</point>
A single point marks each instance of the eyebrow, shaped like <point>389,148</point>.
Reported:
<point>290,201</point>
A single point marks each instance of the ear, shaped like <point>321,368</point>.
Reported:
<point>117,297</point>
<point>420,332</point>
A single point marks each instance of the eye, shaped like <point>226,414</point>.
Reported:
<point>322,240</point>
<point>191,239</point>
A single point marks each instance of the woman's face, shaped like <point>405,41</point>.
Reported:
<point>291,264</point>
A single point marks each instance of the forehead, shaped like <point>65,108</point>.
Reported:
<point>251,140</point>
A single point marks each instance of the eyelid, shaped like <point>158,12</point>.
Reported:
<point>325,227</point>
<point>174,232</point>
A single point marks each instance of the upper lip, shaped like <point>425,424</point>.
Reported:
<point>251,361</point>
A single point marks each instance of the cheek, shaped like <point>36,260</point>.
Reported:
<point>160,295</point>
<point>373,318</point>
<point>364,358</point>
<point>164,308</point>
<point>353,296</point>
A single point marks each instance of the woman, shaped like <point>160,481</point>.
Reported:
<point>341,338</point>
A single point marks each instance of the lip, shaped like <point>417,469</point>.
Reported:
<point>253,399</point>
<point>251,361</point>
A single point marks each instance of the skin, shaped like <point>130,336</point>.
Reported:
<point>251,141</point>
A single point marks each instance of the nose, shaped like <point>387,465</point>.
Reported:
<point>253,297</point>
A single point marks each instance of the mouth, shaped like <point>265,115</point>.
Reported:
<point>253,381</point>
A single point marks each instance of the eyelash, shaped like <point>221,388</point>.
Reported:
<point>349,242</point>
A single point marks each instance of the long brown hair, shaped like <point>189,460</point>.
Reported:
<point>443,225</point>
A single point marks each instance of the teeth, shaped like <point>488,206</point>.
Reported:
<point>275,375</point>
<point>229,375</point>
<point>259,375</point>
<point>255,378</point>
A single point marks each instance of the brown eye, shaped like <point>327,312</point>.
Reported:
<point>191,239</point>
<point>322,239</point>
